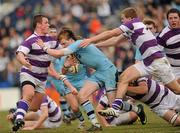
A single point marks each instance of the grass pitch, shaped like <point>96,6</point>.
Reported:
<point>154,125</point>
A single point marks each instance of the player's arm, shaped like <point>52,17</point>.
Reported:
<point>20,56</point>
<point>102,36</point>
<point>42,118</point>
<point>112,41</point>
<point>68,84</point>
<point>101,118</point>
<point>52,72</point>
<point>142,88</point>
<point>54,52</point>
<point>71,65</point>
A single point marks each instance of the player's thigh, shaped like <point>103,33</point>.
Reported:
<point>73,102</point>
<point>131,73</point>
<point>174,86</point>
<point>36,101</point>
<point>87,90</point>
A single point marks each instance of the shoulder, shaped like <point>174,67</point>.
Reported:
<point>164,31</point>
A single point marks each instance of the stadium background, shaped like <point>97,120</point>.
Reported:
<point>85,17</point>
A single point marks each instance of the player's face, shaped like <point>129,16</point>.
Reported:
<point>174,20</point>
<point>124,19</point>
<point>45,25</point>
<point>151,28</point>
<point>66,42</point>
<point>53,33</point>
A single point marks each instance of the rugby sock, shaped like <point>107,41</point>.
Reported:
<point>79,116</point>
<point>22,108</point>
<point>118,104</point>
<point>88,107</point>
<point>65,108</point>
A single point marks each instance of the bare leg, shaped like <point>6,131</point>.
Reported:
<point>172,117</point>
<point>131,73</point>
<point>36,101</point>
<point>174,86</point>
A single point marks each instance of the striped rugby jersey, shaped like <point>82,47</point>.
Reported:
<point>54,111</point>
<point>37,57</point>
<point>144,40</point>
<point>170,40</point>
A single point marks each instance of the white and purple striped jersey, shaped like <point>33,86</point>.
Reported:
<point>39,59</point>
<point>54,111</point>
<point>156,93</point>
<point>144,40</point>
<point>170,40</point>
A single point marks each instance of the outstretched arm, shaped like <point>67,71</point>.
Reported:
<point>100,37</point>
<point>112,41</point>
<point>53,52</point>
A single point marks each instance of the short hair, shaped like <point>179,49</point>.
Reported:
<point>67,33</point>
<point>149,22</point>
<point>52,26</point>
<point>130,12</point>
<point>173,10</point>
<point>37,19</point>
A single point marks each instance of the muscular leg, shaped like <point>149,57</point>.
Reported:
<point>84,94</point>
<point>174,86</point>
<point>36,101</point>
<point>23,104</point>
<point>172,117</point>
<point>73,102</point>
<point>131,73</point>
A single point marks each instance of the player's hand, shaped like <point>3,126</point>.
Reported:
<point>85,43</point>
<point>74,91</point>
<point>9,116</point>
<point>27,64</point>
<point>40,43</point>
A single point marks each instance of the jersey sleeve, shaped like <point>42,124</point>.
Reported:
<point>25,47</point>
<point>126,29</point>
<point>74,46</point>
<point>44,101</point>
<point>160,41</point>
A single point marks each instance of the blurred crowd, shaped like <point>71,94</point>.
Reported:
<point>85,17</point>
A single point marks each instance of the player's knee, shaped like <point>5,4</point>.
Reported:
<point>82,97</point>
<point>75,108</point>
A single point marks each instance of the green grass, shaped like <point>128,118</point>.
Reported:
<point>154,125</point>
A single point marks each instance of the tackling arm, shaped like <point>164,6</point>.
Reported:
<point>142,88</point>
<point>102,36</point>
<point>112,41</point>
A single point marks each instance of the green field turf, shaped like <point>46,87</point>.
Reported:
<point>154,125</point>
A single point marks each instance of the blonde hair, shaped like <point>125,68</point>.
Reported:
<point>67,33</point>
<point>130,12</point>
